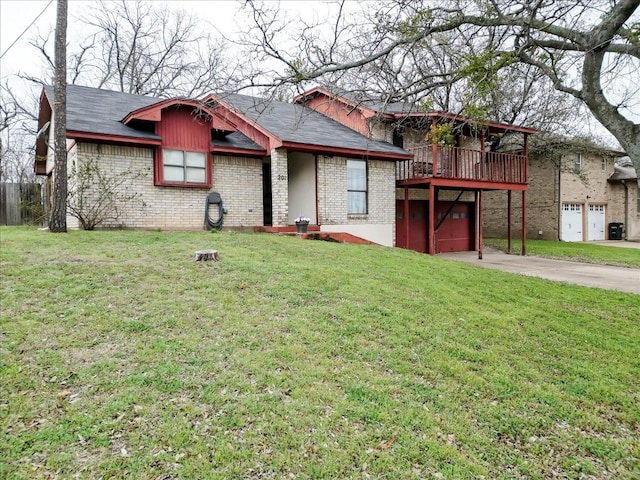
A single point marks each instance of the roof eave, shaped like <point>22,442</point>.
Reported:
<point>245,152</point>
<point>346,152</point>
<point>109,138</point>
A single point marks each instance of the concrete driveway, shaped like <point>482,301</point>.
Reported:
<point>587,274</point>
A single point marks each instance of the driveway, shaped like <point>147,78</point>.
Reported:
<point>587,274</point>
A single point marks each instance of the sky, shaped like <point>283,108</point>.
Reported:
<point>37,17</point>
<point>17,15</point>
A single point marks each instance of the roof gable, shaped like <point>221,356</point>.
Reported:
<point>153,113</point>
<point>395,111</point>
<point>298,127</point>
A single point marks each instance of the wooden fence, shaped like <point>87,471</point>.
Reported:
<point>22,204</point>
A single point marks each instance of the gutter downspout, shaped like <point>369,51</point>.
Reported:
<point>626,209</point>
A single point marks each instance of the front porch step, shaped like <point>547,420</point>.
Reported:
<point>338,237</point>
<point>314,233</point>
<point>285,229</point>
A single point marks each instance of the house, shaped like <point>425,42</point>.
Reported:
<point>576,190</point>
<point>269,161</point>
<point>440,190</point>
<point>624,184</point>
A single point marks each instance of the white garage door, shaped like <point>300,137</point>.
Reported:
<point>571,222</point>
<point>595,220</point>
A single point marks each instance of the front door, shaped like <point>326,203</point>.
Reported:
<point>266,195</point>
<point>571,222</point>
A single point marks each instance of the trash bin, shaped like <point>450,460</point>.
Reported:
<point>615,230</point>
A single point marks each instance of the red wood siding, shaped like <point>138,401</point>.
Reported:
<point>180,129</point>
<point>340,112</point>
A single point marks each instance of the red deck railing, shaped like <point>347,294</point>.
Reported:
<point>462,164</point>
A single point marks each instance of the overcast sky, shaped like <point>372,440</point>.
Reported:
<point>17,15</point>
<point>224,15</point>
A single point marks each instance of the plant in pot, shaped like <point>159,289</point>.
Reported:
<point>302,223</point>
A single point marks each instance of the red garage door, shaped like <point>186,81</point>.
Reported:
<point>456,232</point>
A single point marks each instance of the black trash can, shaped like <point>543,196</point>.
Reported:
<point>615,230</point>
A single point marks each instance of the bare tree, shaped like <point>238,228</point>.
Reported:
<point>58,218</point>
<point>98,195</point>
<point>142,48</point>
<point>589,50</point>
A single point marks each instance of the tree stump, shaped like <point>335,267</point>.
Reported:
<point>207,255</point>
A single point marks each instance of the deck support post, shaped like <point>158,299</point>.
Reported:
<point>405,214</point>
<point>524,223</point>
<point>434,153</point>
<point>508,221</point>
<point>432,219</point>
<point>479,203</point>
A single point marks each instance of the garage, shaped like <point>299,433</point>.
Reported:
<point>595,222</point>
<point>571,222</point>
<point>454,227</point>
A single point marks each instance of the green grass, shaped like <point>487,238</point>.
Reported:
<point>121,357</point>
<point>575,251</point>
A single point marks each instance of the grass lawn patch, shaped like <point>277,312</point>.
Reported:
<point>122,357</point>
<point>575,251</point>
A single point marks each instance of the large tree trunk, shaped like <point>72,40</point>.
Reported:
<point>58,218</point>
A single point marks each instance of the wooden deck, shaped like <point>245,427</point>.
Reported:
<point>454,163</point>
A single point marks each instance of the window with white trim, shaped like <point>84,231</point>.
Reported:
<point>184,167</point>
<point>356,187</point>
<point>577,164</point>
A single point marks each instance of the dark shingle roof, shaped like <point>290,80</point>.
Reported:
<point>93,110</point>
<point>236,140</point>
<point>295,123</point>
<point>621,172</point>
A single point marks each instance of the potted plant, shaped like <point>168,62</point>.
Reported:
<point>302,223</point>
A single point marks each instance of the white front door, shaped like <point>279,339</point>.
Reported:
<point>571,222</point>
<point>595,221</point>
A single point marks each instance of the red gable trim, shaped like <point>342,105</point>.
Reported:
<point>248,127</point>
<point>118,139</point>
<point>319,91</point>
<point>153,113</point>
<point>345,152</point>
<point>44,116</point>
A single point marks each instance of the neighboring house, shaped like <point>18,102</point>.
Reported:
<point>269,161</point>
<point>576,190</point>
<point>439,192</point>
<point>624,185</point>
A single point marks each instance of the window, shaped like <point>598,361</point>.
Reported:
<point>398,139</point>
<point>356,187</point>
<point>577,164</point>
<point>184,167</point>
<point>604,165</point>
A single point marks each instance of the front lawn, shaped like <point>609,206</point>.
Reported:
<point>122,357</point>
<point>575,251</point>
